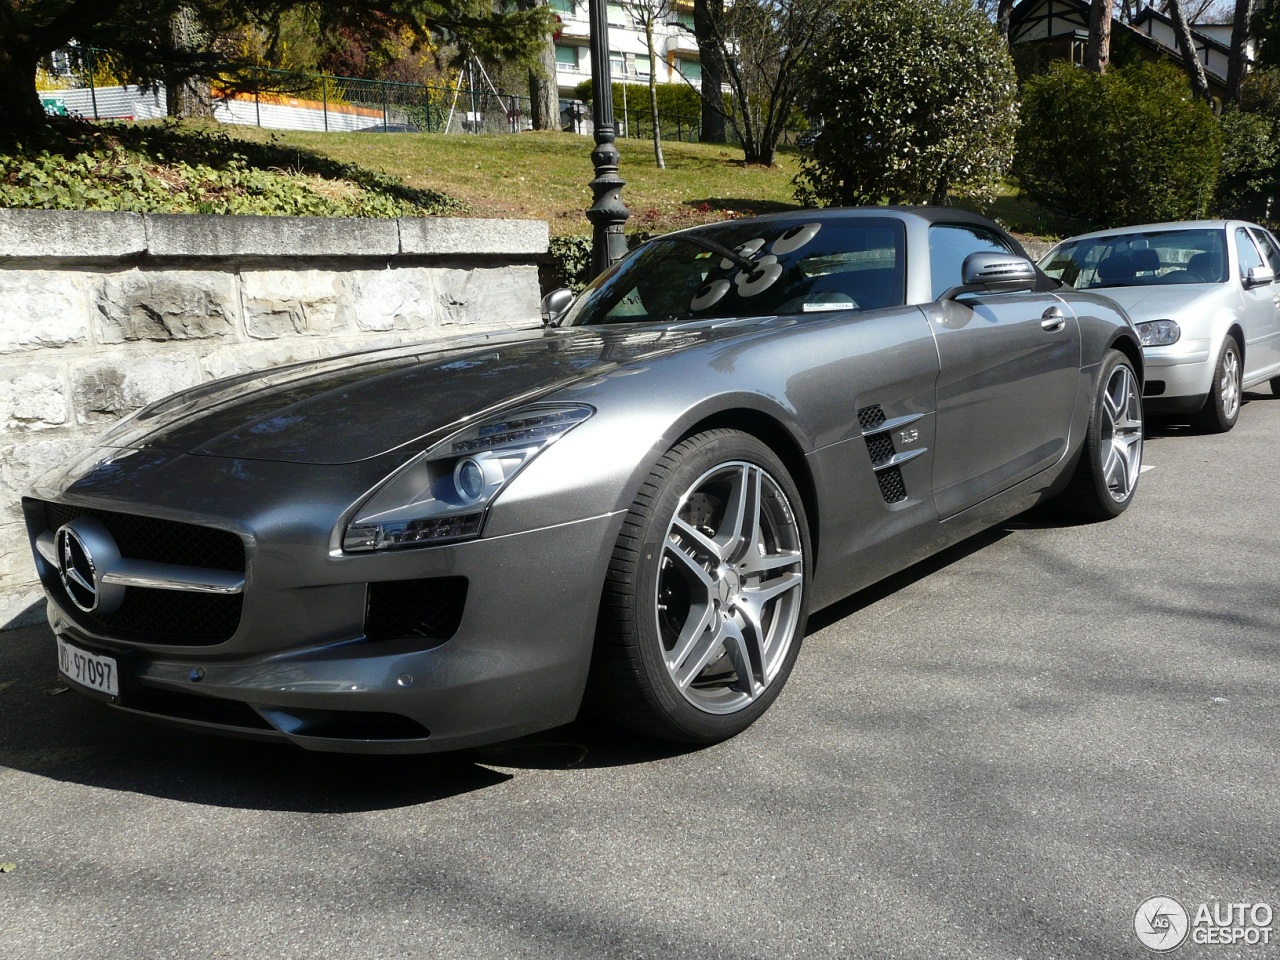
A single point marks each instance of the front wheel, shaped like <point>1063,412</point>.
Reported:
<point>705,601</point>
<point>1222,408</point>
<point>1106,477</point>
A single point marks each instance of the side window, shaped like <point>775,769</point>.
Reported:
<point>949,244</point>
<point>1269,249</point>
<point>1246,252</point>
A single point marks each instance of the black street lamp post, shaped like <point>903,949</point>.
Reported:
<point>607,212</point>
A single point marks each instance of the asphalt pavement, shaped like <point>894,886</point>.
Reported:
<point>1000,753</point>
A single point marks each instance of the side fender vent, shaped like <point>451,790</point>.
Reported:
<point>870,417</point>
<point>891,485</point>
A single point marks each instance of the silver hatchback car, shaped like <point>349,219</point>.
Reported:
<point>1204,297</point>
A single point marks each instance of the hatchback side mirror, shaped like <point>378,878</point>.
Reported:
<point>1259,277</point>
<point>555,305</point>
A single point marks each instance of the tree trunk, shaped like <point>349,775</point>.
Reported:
<point>1004,9</point>
<point>1098,54</point>
<point>20,108</point>
<point>186,97</point>
<point>544,97</point>
<point>653,95</point>
<point>1238,66</point>
<point>1190,59</point>
<point>706,30</point>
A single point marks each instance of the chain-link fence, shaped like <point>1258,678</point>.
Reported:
<point>82,82</point>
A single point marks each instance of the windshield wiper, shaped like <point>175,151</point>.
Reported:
<point>746,263</point>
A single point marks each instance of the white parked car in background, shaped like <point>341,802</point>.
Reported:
<point>1205,298</point>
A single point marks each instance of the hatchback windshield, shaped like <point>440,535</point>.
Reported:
<point>751,269</point>
<point>1141,259</point>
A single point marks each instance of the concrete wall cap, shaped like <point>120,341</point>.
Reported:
<point>72,234</point>
<point>454,236</point>
<point>213,235</point>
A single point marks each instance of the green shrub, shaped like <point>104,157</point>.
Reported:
<point>570,264</point>
<point>674,99</point>
<point>1130,146</point>
<point>917,98</point>
<point>170,169</point>
<point>1250,177</point>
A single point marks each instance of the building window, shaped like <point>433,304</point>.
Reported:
<point>691,70</point>
<point>566,57</point>
<point>617,64</point>
<point>643,68</point>
<point>568,7</point>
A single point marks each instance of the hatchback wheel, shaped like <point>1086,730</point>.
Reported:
<point>1222,408</point>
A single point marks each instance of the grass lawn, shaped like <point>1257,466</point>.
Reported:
<point>211,168</point>
<point>544,176</point>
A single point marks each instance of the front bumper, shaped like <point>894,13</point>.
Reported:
<point>301,667</point>
<point>1178,377</point>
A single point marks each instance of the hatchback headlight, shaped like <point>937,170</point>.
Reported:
<point>442,494</point>
<point>1159,333</point>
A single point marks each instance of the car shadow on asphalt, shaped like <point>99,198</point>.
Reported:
<point>1162,425</point>
<point>50,731</point>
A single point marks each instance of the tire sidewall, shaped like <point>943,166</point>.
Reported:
<point>695,457</point>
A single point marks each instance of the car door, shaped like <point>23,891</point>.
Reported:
<point>1009,372</point>
<point>1259,304</point>
<point>1267,342</point>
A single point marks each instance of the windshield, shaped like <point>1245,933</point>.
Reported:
<point>1141,259</point>
<point>800,265</point>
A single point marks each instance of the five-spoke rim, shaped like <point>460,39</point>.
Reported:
<point>1230,384</point>
<point>1121,433</point>
<point>730,586</point>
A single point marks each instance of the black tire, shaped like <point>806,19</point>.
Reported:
<point>1275,386</point>
<point>1106,476</point>
<point>691,646</point>
<point>1222,407</point>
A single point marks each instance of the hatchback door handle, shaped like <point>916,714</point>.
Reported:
<point>1052,320</point>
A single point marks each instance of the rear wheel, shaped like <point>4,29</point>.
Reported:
<point>1106,477</point>
<point>1222,408</point>
<point>705,602</point>
<point>1275,386</point>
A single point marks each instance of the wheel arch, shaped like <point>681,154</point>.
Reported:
<point>773,434</point>
<point>1236,332</point>
<point>1133,350</point>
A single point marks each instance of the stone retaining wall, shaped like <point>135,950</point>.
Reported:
<point>101,313</point>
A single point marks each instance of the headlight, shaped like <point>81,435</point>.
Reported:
<point>1159,333</point>
<point>442,494</point>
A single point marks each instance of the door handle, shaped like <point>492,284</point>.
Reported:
<point>1052,320</point>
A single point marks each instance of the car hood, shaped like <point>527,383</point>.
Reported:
<point>351,408</point>
<point>1160,303</point>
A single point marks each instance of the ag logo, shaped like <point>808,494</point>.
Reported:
<point>910,436</point>
<point>1161,923</point>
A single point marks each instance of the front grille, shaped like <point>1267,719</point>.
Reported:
<point>871,416</point>
<point>429,609</point>
<point>164,541</point>
<point>891,485</point>
<point>880,446</point>
<point>168,617</point>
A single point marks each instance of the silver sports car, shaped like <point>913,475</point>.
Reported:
<point>1205,299</point>
<point>632,509</point>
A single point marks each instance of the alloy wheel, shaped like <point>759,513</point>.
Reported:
<point>730,587</point>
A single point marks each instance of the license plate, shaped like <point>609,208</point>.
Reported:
<point>87,669</point>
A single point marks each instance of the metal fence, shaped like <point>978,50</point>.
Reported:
<point>74,84</point>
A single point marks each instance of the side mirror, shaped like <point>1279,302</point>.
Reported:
<point>989,272</point>
<point>986,268</point>
<point>555,305</point>
<point>1259,277</point>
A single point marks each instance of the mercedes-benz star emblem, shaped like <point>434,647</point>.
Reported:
<point>86,550</point>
